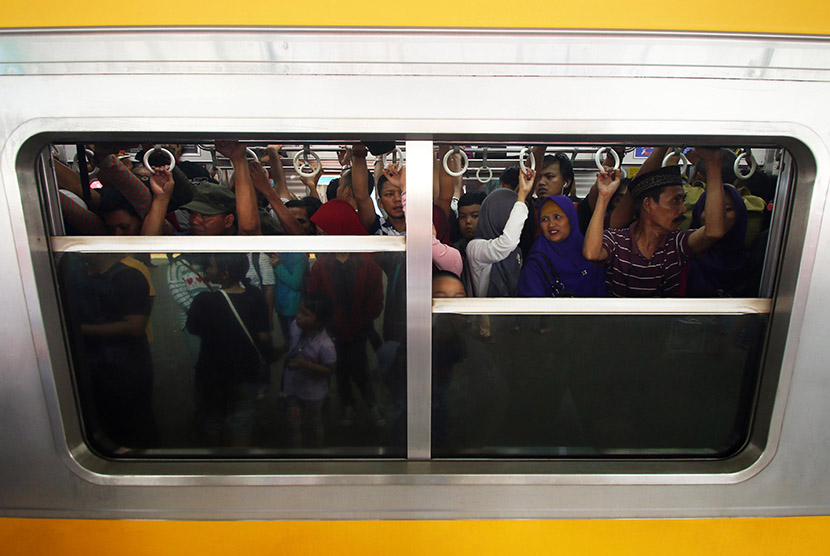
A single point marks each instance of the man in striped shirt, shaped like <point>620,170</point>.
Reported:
<point>645,260</point>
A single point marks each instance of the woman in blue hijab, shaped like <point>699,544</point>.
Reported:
<point>721,270</point>
<point>555,266</point>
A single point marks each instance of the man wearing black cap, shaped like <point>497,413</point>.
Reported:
<point>646,259</point>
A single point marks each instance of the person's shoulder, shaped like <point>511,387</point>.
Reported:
<point>617,234</point>
<point>126,274</point>
<point>377,226</point>
<point>205,297</point>
<point>325,339</point>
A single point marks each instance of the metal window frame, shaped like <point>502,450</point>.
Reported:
<point>32,136</point>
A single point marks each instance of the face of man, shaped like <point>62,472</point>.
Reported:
<point>302,217</point>
<point>211,224</point>
<point>122,223</point>
<point>391,200</point>
<point>554,222</point>
<point>468,220</point>
<point>550,182</point>
<point>667,213</point>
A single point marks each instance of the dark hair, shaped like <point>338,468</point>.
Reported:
<point>382,180</point>
<point>113,200</point>
<point>762,184</point>
<point>510,176</point>
<point>320,306</point>
<point>310,204</point>
<point>472,198</point>
<point>438,274</point>
<point>565,168</point>
<point>234,264</point>
<point>331,189</point>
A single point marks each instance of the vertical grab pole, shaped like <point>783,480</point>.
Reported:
<point>83,171</point>
<point>419,161</point>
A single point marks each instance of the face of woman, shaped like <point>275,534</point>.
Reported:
<point>731,214</point>
<point>554,222</point>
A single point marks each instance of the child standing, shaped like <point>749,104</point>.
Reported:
<point>309,363</point>
<point>232,323</point>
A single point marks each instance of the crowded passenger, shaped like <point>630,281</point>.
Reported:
<point>353,282</point>
<point>110,305</point>
<point>555,266</point>
<point>469,209</point>
<point>721,271</point>
<point>309,364</point>
<point>646,259</point>
<point>494,256</point>
<point>232,322</point>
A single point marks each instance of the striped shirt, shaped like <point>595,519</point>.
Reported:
<point>629,274</point>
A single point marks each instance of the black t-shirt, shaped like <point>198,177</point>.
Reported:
<point>227,356</point>
<point>109,297</point>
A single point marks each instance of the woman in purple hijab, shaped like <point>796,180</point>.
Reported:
<point>721,270</point>
<point>555,267</point>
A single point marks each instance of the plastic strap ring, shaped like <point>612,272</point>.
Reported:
<point>89,160</point>
<point>684,162</point>
<point>526,152</point>
<point>464,165</point>
<point>397,153</point>
<point>753,165</point>
<point>489,174</point>
<point>299,167</point>
<point>599,160</point>
<point>161,149</point>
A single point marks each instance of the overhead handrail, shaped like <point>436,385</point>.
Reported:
<point>464,165</point>
<point>684,162</point>
<point>158,148</point>
<point>484,167</point>
<point>306,163</point>
<point>526,152</point>
<point>250,152</point>
<point>598,158</point>
<point>397,157</point>
<point>745,154</point>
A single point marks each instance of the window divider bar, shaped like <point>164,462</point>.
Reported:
<point>419,162</point>
<point>602,306</point>
<point>226,244</point>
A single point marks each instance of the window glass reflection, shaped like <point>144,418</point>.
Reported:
<point>646,386</point>
<point>235,354</point>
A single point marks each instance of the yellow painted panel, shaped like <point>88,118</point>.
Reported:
<point>757,16</point>
<point>693,537</point>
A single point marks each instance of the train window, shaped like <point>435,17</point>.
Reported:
<point>212,311</point>
<point>292,348</point>
<point>559,354</point>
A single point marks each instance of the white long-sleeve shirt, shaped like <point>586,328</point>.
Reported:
<point>482,253</point>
